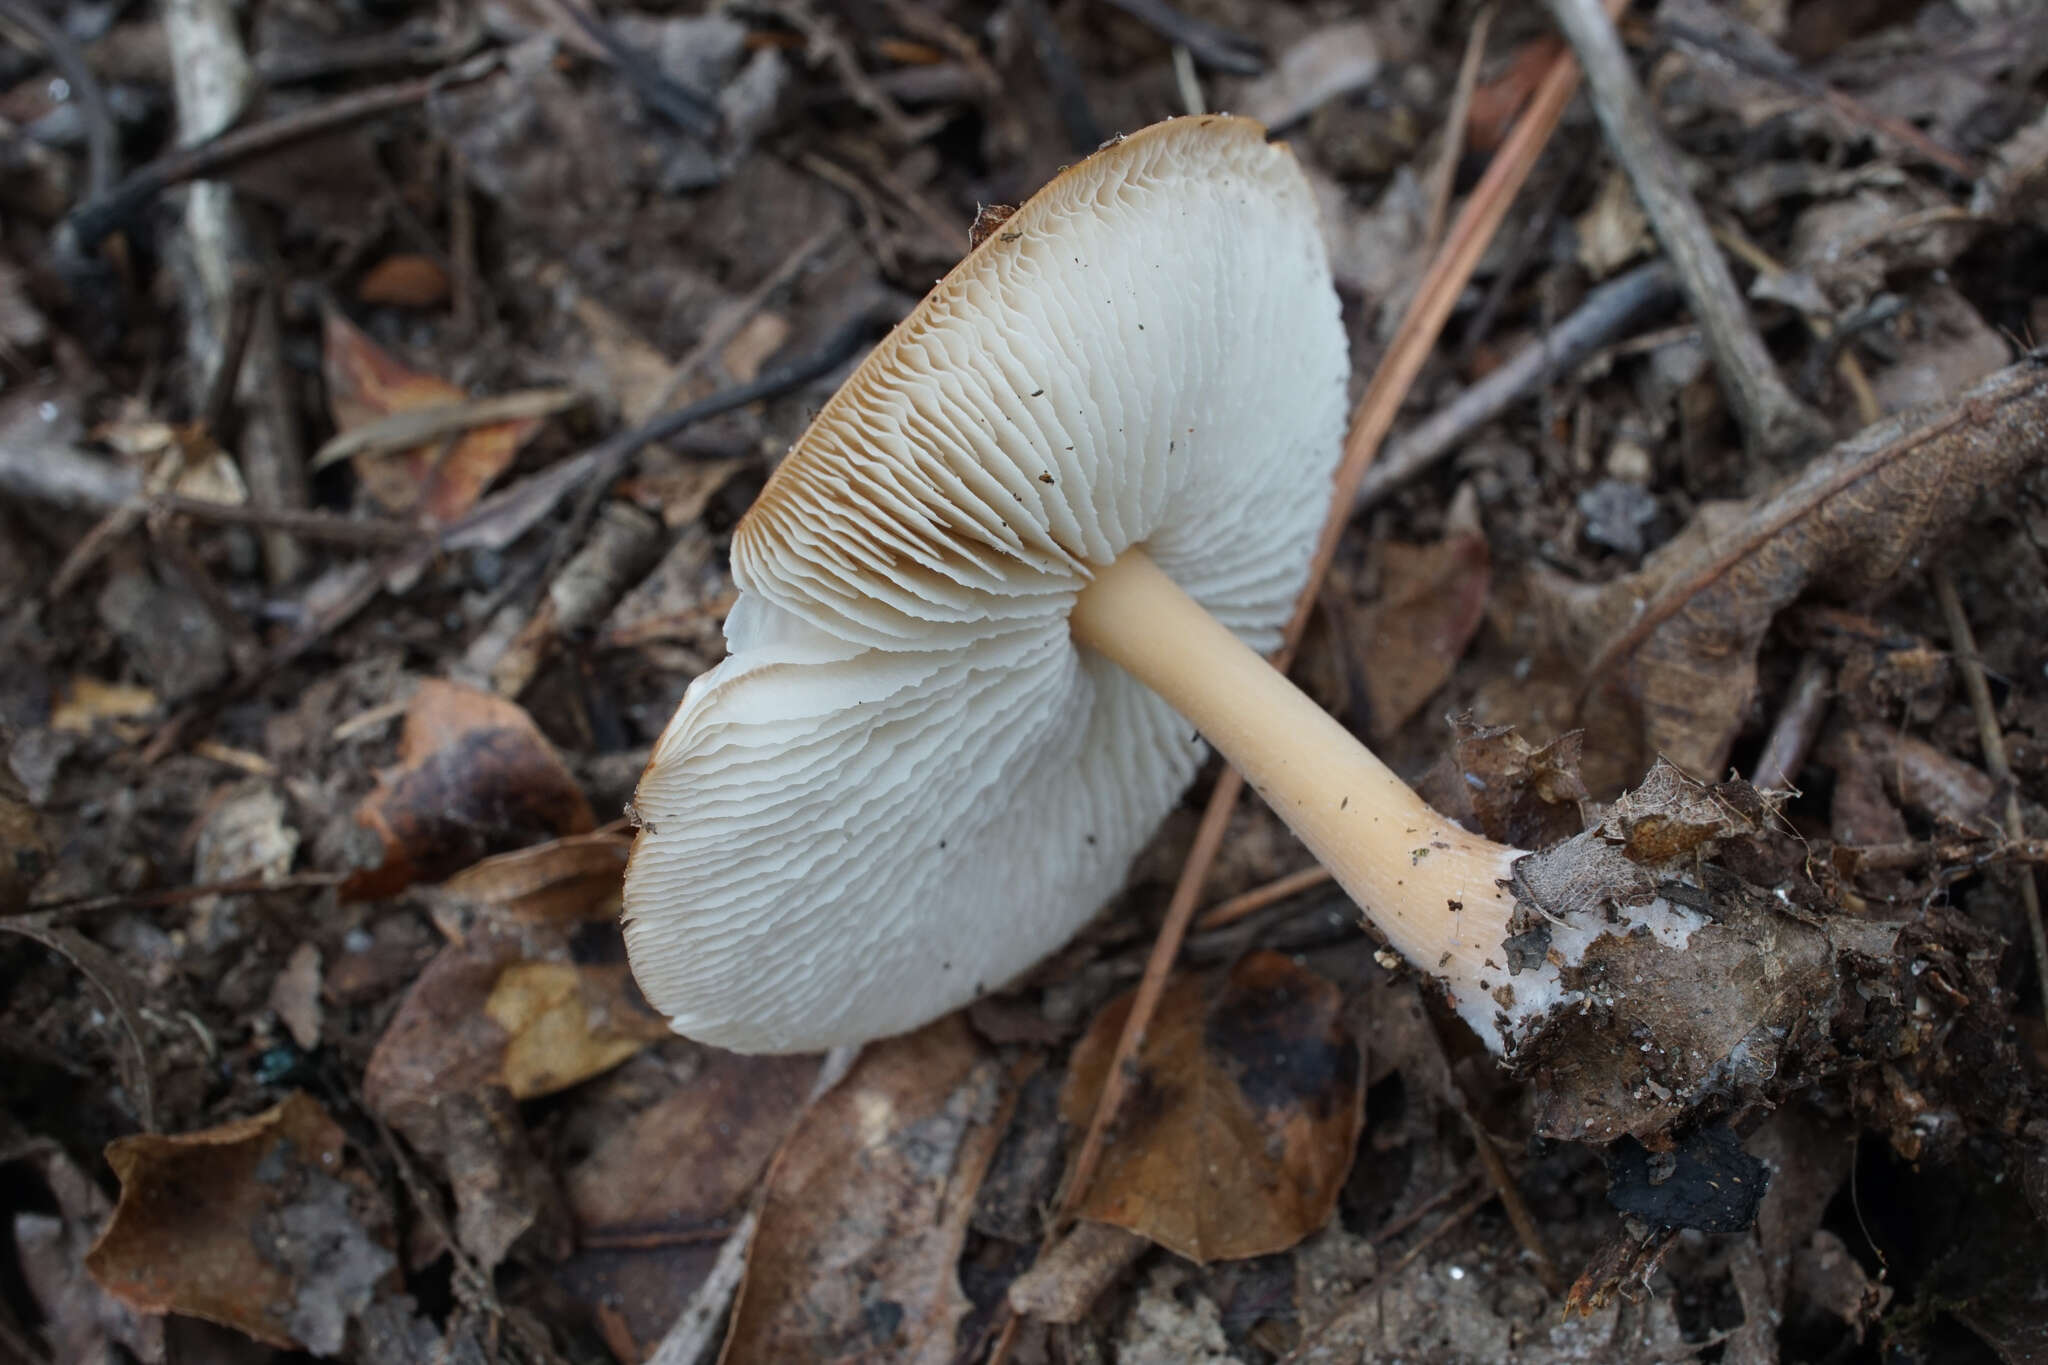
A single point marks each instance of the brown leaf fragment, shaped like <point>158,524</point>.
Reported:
<point>565,1023</point>
<point>257,1224</point>
<point>406,281</point>
<point>574,878</point>
<point>866,1209</point>
<point>1512,791</point>
<point>686,1161</point>
<point>1669,818</point>
<point>441,479</point>
<point>1245,1113</point>
<point>474,777</point>
<point>1432,599</point>
<point>1678,639</point>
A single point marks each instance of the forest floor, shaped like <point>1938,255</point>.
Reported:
<point>346,581</point>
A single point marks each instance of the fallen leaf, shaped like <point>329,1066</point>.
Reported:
<point>1248,1103</point>
<point>365,383</point>
<point>1677,640</point>
<point>257,1224</point>
<point>436,1077</point>
<point>406,281</point>
<point>565,1023</point>
<point>685,1162</point>
<point>565,880</point>
<point>475,777</point>
<point>866,1209</point>
<point>87,700</point>
<point>1432,599</point>
<point>1493,780</point>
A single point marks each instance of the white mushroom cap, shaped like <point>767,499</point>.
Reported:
<point>907,784</point>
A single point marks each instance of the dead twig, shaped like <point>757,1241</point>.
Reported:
<point>1773,421</point>
<point>1609,309</point>
<point>419,426</point>
<point>1791,738</point>
<point>108,211</point>
<point>683,107</point>
<point>1422,325</point>
<point>1229,912</point>
<point>1210,44</point>
<point>102,138</point>
<point>180,895</point>
<point>1991,737</point>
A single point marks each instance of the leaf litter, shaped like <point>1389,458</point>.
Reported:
<point>1571,627</point>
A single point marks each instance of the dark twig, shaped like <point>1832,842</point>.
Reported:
<point>1069,92</point>
<point>102,140</point>
<point>108,211</point>
<point>327,527</point>
<point>1773,421</point>
<point>1607,310</point>
<point>677,103</point>
<point>1214,47</point>
<point>181,895</point>
<point>1799,719</point>
<point>1991,738</point>
<point>234,344</point>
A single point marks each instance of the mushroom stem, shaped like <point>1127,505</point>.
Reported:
<point>1434,890</point>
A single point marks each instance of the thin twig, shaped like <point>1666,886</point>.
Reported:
<point>1610,308</point>
<point>181,895</point>
<point>1442,178</point>
<point>328,527</point>
<point>1773,421</point>
<point>89,224</point>
<point>1991,737</point>
<point>1420,327</point>
<point>102,138</point>
<point>1229,912</point>
<point>1791,738</point>
<point>1213,46</point>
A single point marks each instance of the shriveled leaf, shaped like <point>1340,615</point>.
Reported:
<point>437,1077</point>
<point>1250,1101</point>
<point>577,877</point>
<point>1511,791</point>
<point>1432,599</point>
<point>365,383</point>
<point>565,1023</point>
<point>686,1161</point>
<point>867,1208</point>
<point>257,1224</point>
<point>1678,639</point>
<point>475,777</point>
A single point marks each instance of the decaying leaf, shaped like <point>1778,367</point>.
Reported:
<point>1432,599</point>
<point>565,1023</point>
<point>365,383</point>
<point>867,1207</point>
<point>258,1224</point>
<point>1493,780</point>
<point>475,777</point>
<point>574,878</point>
<point>1678,639</point>
<point>1248,1103</point>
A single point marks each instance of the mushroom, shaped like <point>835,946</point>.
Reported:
<point>1027,551</point>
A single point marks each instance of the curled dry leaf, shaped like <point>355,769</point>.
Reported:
<point>1678,639</point>
<point>867,1207</point>
<point>475,777</point>
<point>1248,1103</point>
<point>258,1224</point>
<point>365,383</point>
<point>575,878</point>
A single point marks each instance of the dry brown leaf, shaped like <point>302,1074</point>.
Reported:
<point>565,880</point>
<point>867,1207</point>
<point>257,1224</point>
<point>1252,1097</point>
<point>87,700</point>
<point>365,383</point>
<point>1493,780</point>
<point>295,996</point>
<point>1678,639</point>
<point>1432,599</point>
<point>475,777</point>
<point>683,1163</point>
<point>565,1023</point>
<point>406,281</point>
